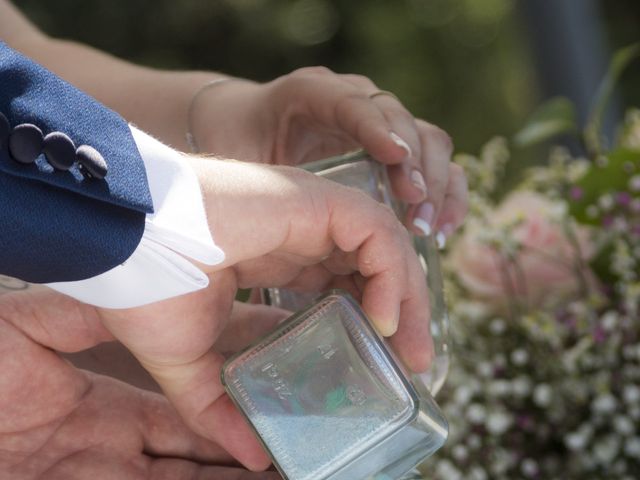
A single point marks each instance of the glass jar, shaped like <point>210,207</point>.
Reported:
<point>330,401</point>
<point>358,170</point>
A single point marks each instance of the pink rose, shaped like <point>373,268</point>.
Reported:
<point>547,264</point>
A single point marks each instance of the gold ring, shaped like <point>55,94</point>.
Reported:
<point>383,92</point>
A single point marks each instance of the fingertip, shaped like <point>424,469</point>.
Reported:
<point>232,431</point>
<point>386,328</point>
<point>417,356</point>
<point>387,147</point>
<point>406,183</point>
<point>259,464</point>
<point>385,323</point>
<point>400,142</point>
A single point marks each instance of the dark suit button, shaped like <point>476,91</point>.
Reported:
<point>92,162</point>
<point>5,128</point>
<point>25,143</point>
<point>60,150</point>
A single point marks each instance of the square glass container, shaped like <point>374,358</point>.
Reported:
<point>359,170</point>
<point>329,400</point>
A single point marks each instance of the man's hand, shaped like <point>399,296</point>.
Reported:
<point>314,113</point>
<point>278,226</point>
<point>60,423</point>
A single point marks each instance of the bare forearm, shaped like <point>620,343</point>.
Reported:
<point>157,101</point>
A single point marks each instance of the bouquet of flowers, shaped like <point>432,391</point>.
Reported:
<point>544,295</point>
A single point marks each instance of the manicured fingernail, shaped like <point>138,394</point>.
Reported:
<point>423,226</point>
<point>386,329</point>
<point>445,232</point>
<point>418,181</point>
<point>423,218</point>
<point>401,143</point>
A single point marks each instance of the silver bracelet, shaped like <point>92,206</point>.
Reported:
<point>189,136</point>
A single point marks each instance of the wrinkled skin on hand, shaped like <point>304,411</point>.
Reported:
<point>61,423</point>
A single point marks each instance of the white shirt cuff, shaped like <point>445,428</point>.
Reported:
<point>157,269</point>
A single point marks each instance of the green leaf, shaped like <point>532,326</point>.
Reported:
<point>599,180</point>
<point>554,117</point>
<point>619,63</point>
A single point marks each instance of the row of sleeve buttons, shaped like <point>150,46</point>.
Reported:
<point>26,142</point>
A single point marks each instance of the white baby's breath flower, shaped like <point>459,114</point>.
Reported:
<point>620,224</point>
<point>542,395</point>
<point>606,449</point>
<point>529,467</point>
<point>631,394</point>
<point>485,369</point>
<point>606,202</point>
<point>609,320</point>
<point>497,326</point>
<point>604,404</point>
<point>632,448</point>
<point>476,413</point>
<point>519,357</point>
<point>499,360</point>
<point>460,453</point>
<point>499,388</point>
<point>558,211</point>
<point>446,469</point>
<point>498,422</point>
<point>623,425</point>
<point>501,462</point>
<point>478,473</point>
<point>463,395</point>
<point>474,441</point>
<point>629,353</point>
<point>521,386</point>
<point>578,440</point>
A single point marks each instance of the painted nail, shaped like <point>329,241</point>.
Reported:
<point>423,226</point>
<point>401,143</point>
<point>445,232</point>
<point>423,218</point>
<point>418,181</point>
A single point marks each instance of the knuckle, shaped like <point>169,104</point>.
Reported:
<point>400,114</point>
<point>359,79</point>
<point>444,138</point>
<point>456,171</point>
<point>315,70</point>
<point>437,134</point>
<point>388,217</point>
<point>437,185</point>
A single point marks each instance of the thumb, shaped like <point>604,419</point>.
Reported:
<point>173,340</point>
<point>248,323</point>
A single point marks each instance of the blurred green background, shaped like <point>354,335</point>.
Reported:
<point>475,67</point>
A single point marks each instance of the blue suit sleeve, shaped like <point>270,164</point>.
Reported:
<point>65,223</point>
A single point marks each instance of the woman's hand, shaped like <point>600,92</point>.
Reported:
<point>314,113</point>
<point>61,423</point>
